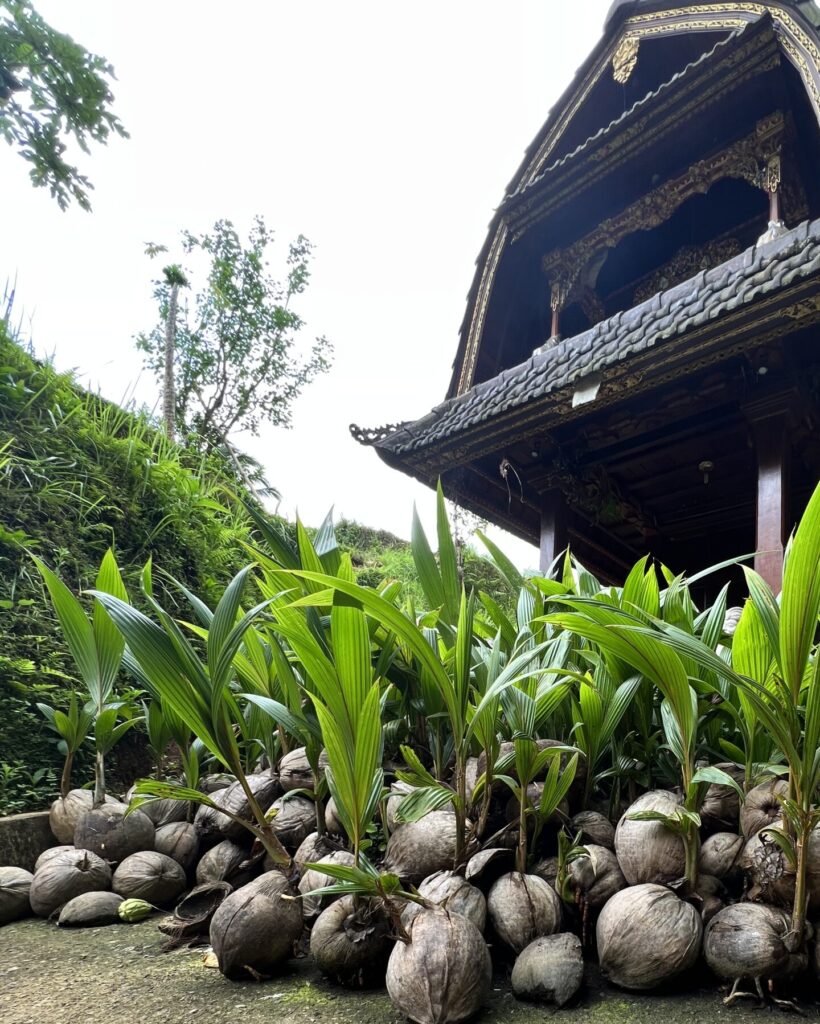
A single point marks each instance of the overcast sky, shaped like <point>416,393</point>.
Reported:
<point>384,132</point>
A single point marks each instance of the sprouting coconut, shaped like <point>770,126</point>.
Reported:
<point>295,820</point>
<point>90,910</point>
<point>420,848</point>
<point>443,974</point>
<point>313,879</point>
<point>193,914</point>
<point>748,941</point>
<point>454,893</point>
<point>149,876</point>
<point>595,828</point>
<point>107,832</point>
<point>398,791</point>
<point>549,970</point>
<point>295,771</point>
<point>66,811</point>
<point>522,908</point>
<point>66,876</point>
<point>648,851</point>
<point>15,886</point>
<point>227,862</point>
<point>310,850</point>
<point>595,876</point>
<point>180,840</point>
<point>255,928</point>
<point>720,855</point>
<point>351,943</point>
<point>772,877</point>
<point>762,806</point>
<point>210,821</point>
<point>721,805</point>
<point>647,935</point>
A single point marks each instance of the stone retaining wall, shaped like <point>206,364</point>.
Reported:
<point>23,837</point>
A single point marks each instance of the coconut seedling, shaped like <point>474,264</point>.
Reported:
<point>73,726</point>
<point>96,646</point>
<point>624,639</point>
<point>198,690</point>
<point>777,648</point>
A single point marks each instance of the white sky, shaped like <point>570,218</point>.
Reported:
<point>384,132</point>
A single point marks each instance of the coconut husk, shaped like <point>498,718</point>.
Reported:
<point>107,832</point>
<point>421,848</point>
<point>772,878</point>
<point>709,896</point>
<point>254,929</point>
<point>228,862</point>
<point>65,813</point>
<point>546,868</point>
<point>149,876</point>
<point>720,855</point>
<point>534,791</point>
<point>484,867</point>
<point>163,812</point>
<point>210,822</point>
<point>312,879</point>
<point>721,805</point>
<point>522,908</point>
<point>351,943</point>
<point>90,910</point>
<point>332,821</point>
<point>15,886</point>
<point>747,940</point>
<point>66,876</point>
<point>596,876</point>
<point>595,828</point>
<point>648,851</point>
<point>398,791</point>
<point>193,914</point>
<point>452,892</point>
<point>52,851</point>
<point>215,782</point>
<point>180,840</point>
<point>471,777</point>
<point>444,973</point>
<point>294,770</point>
<point>295,820</point>
<point>311,849</point>
<point>647,935</point>
<point>762,806</point>
<point>549,970</point>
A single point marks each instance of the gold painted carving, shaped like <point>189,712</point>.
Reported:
<point>625,58</point>
<point>741,160</point>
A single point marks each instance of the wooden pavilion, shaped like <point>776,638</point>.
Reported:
<point>639,365</point>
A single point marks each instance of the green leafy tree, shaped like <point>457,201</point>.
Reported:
<point>51,88</point>
<point>236,364</point>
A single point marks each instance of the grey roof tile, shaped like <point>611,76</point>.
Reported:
<point>761,270</point>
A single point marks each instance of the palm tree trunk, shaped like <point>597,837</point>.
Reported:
<point>169,399</point>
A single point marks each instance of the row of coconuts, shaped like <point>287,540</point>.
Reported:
<point>620,896</point>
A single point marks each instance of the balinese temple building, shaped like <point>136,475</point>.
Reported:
<point>639,364</point>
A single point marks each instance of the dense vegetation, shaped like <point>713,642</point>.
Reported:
<point>78,474</point>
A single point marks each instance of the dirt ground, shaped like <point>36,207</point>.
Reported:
<point>119,975</point>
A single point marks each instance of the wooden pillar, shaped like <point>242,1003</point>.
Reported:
<point>769,429</point>
<point>553,527</point>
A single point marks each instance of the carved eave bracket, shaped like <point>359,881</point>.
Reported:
<point>755,159</point>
